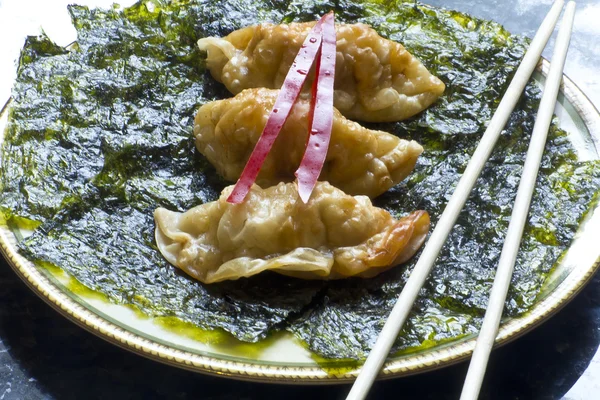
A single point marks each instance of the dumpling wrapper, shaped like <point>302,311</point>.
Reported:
<point>376,79</point>
<point>333,236</point>
<point>359,160</point>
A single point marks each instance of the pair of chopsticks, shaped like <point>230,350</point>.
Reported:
<point>491,321</point>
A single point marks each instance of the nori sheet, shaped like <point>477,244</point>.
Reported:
<point>100,135</point>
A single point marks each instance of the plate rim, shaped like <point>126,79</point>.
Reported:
<point>448,355</point>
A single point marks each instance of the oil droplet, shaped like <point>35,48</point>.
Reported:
<point>275,110</point>
<point>302,71</point>
<point>313,40</point>
<point>314,131</point>
<point>327,73</point>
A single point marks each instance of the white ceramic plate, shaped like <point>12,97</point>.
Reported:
<point>283,359</point>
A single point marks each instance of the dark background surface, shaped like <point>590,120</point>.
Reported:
<point>44,356</point>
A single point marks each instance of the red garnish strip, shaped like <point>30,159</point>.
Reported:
<point>321,113</point>
<point>292,85</point>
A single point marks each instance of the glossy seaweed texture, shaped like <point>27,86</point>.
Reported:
<point>100,134</point>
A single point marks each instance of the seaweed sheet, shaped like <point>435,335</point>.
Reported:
<point>100,135</point>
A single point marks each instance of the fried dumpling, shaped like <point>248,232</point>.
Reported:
<point>333,236</point>
<point>376,79</point>
<point>359,160</point>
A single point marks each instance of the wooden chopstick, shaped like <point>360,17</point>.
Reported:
<point>415,282</point>
<point>491,321</point>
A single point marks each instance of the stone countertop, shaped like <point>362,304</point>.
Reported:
<point>45,356</point>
